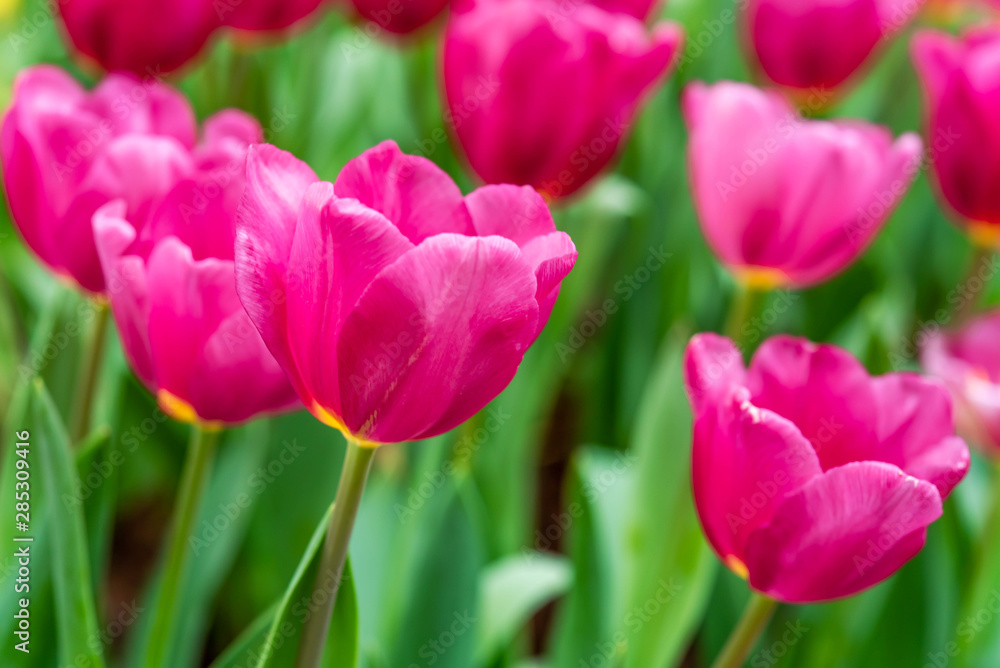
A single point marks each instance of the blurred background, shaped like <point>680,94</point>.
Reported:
<point>556,529</point>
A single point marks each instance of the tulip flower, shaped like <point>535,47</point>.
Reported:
<point>400,16</point>
<point>819,44</point>
<point>968,361</point>
<point>640,9</point>
<point>541,93</point>
<point>66,152</point>
<point>265,15</point>
<point>812,479</point>
<point>785,201</point>
<point>397,307</point>
<point>172,287</point>
<point>145,37</point>
<point>962,86</point>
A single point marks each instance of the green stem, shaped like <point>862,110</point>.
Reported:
<point>86,380</point>
<point>338,534</point>
<point>986,561</point>
<point>980,256</point>
<point>746,302</point>
<point>755,617</point>
<point>194,480</point>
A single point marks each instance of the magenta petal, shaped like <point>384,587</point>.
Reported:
<point>916,431</point>
<point>845,531</point>
<point>435,337</point>
<point>126,285</point>
<point>552,256</point>
<point>713,368</point>
<point>746,461</point>
<point>340,246</point>
<point>516,212</point>
<point>410,190</point>
<point>276,182</point>
<point>823,390</point>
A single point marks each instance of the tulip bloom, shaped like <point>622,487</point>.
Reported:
<point>397,307</point>
<point>172,288</point>
<point>400,16</point>
<point>541,93</point>
<point>265,15</point>
<point>819,44</point>
<point>66,152</point>
<point>968,361</point>
<point>145,37</point>
<point>640,9</point>
<point>783,200</point>
<point>811,478</point>
<point>962,86</point>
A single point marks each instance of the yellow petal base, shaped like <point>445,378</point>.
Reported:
<point>984,235</point>
<point>737,566</point>
<point>761,278</point>
<point>182,411</point>
<point>329,419</point>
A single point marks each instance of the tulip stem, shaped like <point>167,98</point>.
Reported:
<point>755,617</point>
<point>92,355</point>
<point>744,305</point>
<point>966,308</point>
<point>194,480</point>
<point>357,464</point>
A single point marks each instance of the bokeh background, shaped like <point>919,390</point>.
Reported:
<point>556,529</point>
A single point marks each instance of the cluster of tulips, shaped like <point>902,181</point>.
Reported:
<point>393,307</point>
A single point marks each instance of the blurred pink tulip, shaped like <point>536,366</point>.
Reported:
<point>968,361</point>
<point>65,152</point>
<point>397,307</point>
<point>961,79</point>
<point>265,15</point>
<point>812,479</point>
<point>819,44</point>
<point>640,9</point>
<point>145,37</point>
<point>541,93</point>
<point>172,288</point>
<point>783,200</point>
<point>400,16</point>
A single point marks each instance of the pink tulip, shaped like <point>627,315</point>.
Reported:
<point>787,201</point>
<point>819,44</point>
<point>640,9</point>
<point>172,288</point>
<point>400,16</point>
<point>968,361</point>
<point>145,37</point>
<point>397,307</point>
<point>265,15</point>
<point>65,152</point>
<point>541,93</point>
<point>962,81</point>
<point>813,479</point>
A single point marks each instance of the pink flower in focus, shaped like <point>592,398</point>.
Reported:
<point>819,44</point>
<point>400,16</point>
<point>541,93</point>
<point>397,307</point>
<point>172,288</point>
<point>265,15</point>
<point>783,200</point>
<point>813,479</point>
<point>968,361</point>
<point>66,152</point>
<point>145,37</point>
<point>961,79</point>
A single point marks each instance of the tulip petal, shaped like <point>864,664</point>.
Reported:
<point>745,462</point>
<point>916,431</point>
<point>935,55</point>
<point>276,182</point>
<point>843,532</point>
<point>713,368</point>
<point>518,213</point>
<point>340,246</point>
<point>824,391</point>
<point>435,337</point>
<point>410,190</point>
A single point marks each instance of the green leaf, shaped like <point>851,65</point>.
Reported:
<point>76,617</point>
<point>670,563</point>
<point>248,642</point>
<point>511,591</point>
<point>280,645</point>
